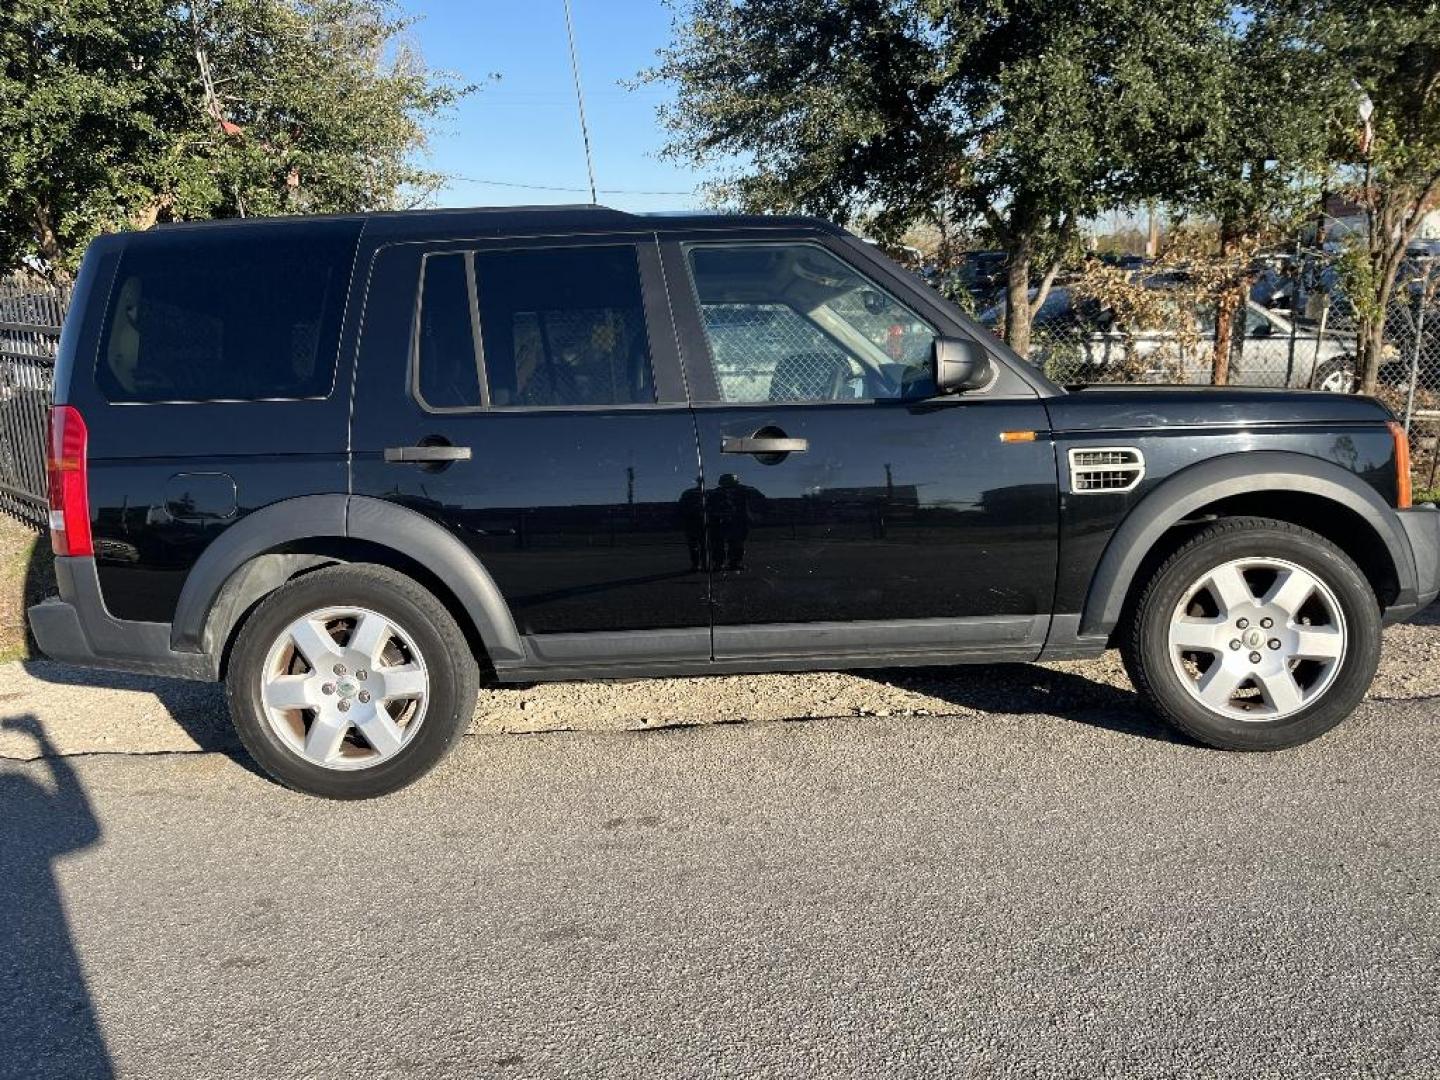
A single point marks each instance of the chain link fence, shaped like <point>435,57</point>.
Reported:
<point>1410,375</point>
<point>1295,330</point>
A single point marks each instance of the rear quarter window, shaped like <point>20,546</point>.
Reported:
<point>244,314</point>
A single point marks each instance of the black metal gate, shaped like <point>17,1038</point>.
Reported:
<point>30,318</point>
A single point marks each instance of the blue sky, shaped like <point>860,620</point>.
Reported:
<point>523,129</point>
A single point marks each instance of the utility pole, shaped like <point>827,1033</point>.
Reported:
<point>580,101</point>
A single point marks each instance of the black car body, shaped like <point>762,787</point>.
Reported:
<point>562,424</point>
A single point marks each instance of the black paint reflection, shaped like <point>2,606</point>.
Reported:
<point>907,511</point>
<point>731,507</point>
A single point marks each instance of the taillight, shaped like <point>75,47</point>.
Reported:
<point>1403,482</point>
<point>69,493</point>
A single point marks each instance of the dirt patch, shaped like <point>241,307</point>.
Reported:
<point>27,576</point>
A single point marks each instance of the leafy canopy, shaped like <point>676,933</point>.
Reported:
<point>1386,54</point>
<point>1021,111</point>
<point>118,113</point>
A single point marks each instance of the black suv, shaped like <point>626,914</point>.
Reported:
<point>357,467</point>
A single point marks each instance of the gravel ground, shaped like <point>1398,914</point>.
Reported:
<point>98,712</point>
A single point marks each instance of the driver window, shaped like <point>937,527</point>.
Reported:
<point>790,322</point>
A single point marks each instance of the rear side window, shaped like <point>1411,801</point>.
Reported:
<point>227,317</point>
<point>557,327</point>
<point>447,357</point>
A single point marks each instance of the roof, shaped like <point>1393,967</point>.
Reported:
<point>519,220</point>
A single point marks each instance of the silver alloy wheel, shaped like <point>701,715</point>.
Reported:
<point>344,688</point>
<point>1258,639</point>
<point>1339,381</point>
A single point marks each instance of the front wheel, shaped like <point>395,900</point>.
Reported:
<point>1256,635</point>
<point>350,682</point>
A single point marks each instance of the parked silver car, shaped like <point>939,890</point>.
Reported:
<point>1076,342</point>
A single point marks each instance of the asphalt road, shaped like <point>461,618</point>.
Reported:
<point>981,895</point>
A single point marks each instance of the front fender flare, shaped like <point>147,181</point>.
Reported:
<point>357,517</point>
<point>1180,496</point>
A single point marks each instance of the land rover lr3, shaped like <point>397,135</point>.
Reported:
<point>358,467</point>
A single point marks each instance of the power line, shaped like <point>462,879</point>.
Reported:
<point>580,102</point>
<point>567,190</point>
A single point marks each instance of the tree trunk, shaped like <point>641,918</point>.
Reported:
<point>1370,348</point>
<point>1017,296</point>
<point>1227,306</point>
<point>48,245</point>
<point>148,215</point>
<point>1393,218</point>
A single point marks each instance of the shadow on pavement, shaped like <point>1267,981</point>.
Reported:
<point>48,1026</point>
<point>1026,689</point>
<point>198,708</point>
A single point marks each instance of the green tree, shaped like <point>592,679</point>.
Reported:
<point>1384,83</point>
<point>1253,168</point>
<point>120,113</point>
<point>1028,115</point>
<point>85,88</point>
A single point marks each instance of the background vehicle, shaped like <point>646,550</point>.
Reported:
<point>1078,341</point>
<point>359,466</point>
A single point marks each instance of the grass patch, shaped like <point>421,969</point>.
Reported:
<point>1423,495</point>
<point>27,576</point>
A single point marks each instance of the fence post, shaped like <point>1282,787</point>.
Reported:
<point>1294,322</point>
<point>1415,359</point>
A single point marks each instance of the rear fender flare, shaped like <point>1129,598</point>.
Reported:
<point>240,566</point>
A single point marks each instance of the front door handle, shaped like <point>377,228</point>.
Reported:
<point>427,455</point>
<point>762,444</point>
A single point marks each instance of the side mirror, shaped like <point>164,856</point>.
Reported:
<point>961,364</point>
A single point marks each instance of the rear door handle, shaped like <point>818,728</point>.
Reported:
<point>762,444</point>
<point>427,454</point>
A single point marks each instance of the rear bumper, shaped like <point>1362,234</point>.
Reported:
<point>75,628</point>
<point>1422,529</point>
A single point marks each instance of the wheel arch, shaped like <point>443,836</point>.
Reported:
<point>1292,487</point>
<point>271,546</point>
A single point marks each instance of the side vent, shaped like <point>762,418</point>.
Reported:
<point>1104,469</point>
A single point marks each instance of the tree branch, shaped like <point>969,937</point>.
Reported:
<point>997,224</point>
<point>1064,233</point>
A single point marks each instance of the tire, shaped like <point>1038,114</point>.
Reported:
<point>1335,376</point>
<point>344,730</point>
<point>1328,642</point>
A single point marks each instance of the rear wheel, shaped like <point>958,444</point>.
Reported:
<point>1256,635</point>
<point>350,682</point>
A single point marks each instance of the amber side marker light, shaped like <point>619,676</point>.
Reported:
<point>1403,483</point>
<point>1017,436</point>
